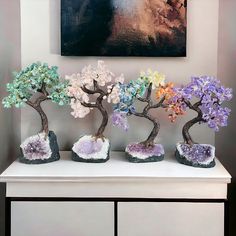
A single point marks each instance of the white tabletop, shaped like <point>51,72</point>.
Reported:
<point>117,168</point>
<point>116,178</point>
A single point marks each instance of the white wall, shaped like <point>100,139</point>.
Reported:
<point>40,25</point>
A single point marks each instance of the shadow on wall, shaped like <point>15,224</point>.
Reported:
<point>6,116</point>
<point>225,140</point>
<point>9,60</point>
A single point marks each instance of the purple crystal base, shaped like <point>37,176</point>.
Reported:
<point>138,153</point>
<point>90,146</point>
<point>39,150</point>
<point>90,149</point>
<point>198,155</point>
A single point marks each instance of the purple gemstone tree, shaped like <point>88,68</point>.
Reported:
<point>208,94</point>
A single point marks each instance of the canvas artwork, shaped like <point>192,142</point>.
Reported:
<point>152,28</point>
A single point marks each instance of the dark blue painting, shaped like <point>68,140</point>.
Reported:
<point>151,28</point>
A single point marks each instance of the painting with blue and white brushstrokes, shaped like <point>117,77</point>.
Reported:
<point>149,28</point>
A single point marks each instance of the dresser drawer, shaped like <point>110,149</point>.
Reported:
<point>170,219</point>
<point>62,218</point>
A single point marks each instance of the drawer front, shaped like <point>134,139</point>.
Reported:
<point>170,219</point>
<point>62,218</point>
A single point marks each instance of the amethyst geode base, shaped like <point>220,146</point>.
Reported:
<point>37,150</point>
<point>91,150</point>
<point>198,155</point>
<point>138,153</point>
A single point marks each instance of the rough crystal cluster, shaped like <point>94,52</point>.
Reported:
<point>91,149</point>
<point>89,146</point>
<point>137,152</point>
<point>196,155</point>
<point>36,147</point>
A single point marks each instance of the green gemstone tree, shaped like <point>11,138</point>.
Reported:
<point>34,85</point>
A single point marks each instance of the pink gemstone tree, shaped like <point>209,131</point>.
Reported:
<point>88,90</point>
<point>205,96</point>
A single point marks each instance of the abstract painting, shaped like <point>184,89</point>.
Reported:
<point>148,28</point>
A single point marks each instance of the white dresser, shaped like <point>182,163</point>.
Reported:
<point>116,198</point>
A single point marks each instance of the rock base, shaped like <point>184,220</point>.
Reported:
<point>40,155</point>
<point>91,150</point>
<point>77,158</point>
<point>134,159</point>
<point>138,153</point>
<point>199,155</point>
